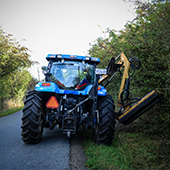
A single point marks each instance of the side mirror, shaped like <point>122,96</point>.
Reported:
<point>44,69</point>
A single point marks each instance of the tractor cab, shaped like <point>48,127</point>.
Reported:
<point>73,75</point>
<point>71,72</point>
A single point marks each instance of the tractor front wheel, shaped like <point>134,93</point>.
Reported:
<point>105,127</point>
<point>32,120</point>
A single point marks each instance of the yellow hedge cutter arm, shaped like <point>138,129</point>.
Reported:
<point>130,108</point>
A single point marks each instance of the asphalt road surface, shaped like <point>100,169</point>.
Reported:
<point>52,153</point>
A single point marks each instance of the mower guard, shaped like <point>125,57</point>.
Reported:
<point>139,108</point>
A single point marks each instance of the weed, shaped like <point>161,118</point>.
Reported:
<point>130,150</point>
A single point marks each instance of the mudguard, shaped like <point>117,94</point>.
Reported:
<point>52,87</point>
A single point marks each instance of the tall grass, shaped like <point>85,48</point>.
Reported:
<point>129,151</point>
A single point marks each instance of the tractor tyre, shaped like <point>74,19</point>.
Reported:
<point>32,119</point>
<point>105,126</point>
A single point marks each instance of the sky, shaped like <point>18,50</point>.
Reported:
<point>61,26</point>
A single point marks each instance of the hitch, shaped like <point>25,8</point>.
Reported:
<point>69,125</point>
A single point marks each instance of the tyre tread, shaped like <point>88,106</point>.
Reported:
<point>31,118</point>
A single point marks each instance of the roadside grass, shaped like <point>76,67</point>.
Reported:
<point>10,111</point>
<point>129,151</point>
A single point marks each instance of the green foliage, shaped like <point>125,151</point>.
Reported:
<point>146,146</point>
<point>18,84</point>
<point>12,55</point>
<point>31,85</point>
<point>130,150</point>
<point>146,37</point>
<point>14,77</point>
<point>10,111</point>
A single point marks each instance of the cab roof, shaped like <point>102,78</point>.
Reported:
<point>66,57</point>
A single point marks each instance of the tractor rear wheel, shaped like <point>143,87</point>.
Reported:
<point>32,119</point>
<point>105,127</point>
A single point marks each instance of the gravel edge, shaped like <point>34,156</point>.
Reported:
<point>77,154</point>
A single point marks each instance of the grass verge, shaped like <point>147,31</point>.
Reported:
<point>10,111</point>
<point>130,150</point>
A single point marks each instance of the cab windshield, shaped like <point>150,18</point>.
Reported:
<point>72,75</point>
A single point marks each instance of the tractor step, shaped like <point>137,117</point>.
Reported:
<point>139,108</point>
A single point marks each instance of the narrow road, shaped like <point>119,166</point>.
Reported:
<point>52,153</point>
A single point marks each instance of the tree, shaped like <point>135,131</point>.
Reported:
<point>146,37</point>
<point>14,59</point>
<point>12,55</point>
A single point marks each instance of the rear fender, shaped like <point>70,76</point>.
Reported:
<point>52,87</point>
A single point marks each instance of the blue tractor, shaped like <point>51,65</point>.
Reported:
<point>72,97</point>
